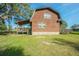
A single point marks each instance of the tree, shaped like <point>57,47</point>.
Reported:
<point>63,26</point>
<point>19,11</point>
<point>75,27</point>
<point>2,12</point>
<point>2,25</point>
<point>22,12</point>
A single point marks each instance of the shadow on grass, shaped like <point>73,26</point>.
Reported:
<point>12,52</point>
<point>3,34</point>
<point>65,42</point>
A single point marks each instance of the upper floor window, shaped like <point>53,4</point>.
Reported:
<point>47,16</point>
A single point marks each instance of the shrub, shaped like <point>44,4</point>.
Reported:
<point>75,32</point>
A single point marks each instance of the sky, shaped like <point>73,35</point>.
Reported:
<point>68,11</point>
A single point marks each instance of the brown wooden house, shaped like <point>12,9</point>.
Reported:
<point>45,21</point>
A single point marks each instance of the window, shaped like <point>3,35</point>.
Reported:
<point>47,16</point>
<point>41,25</point>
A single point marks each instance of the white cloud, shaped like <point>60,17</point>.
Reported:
<point>66,4</point>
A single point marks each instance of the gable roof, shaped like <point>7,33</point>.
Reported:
<point>50,10</point>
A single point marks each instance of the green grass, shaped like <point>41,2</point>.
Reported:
<point>75,32</point>
<point>30,45</point>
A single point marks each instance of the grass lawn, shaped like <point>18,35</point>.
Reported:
<point>30,45</point>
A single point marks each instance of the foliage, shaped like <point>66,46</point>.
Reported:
<point>75,27</point>
<point>75,32</point>
<point>18,10</point>
<point>23,10</point>
<point>2,25</point>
